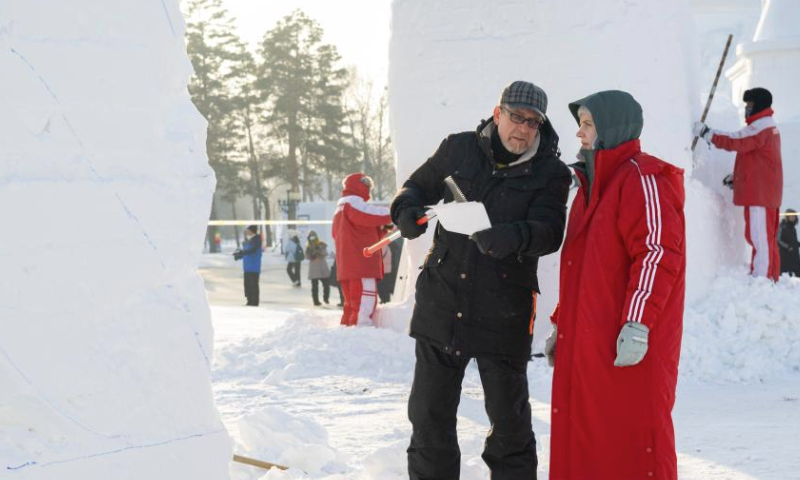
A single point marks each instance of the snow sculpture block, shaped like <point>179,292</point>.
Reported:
<point>449,60</point>
<point>105,331</point>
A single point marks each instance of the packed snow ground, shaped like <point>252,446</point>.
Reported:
<point>294,388</point>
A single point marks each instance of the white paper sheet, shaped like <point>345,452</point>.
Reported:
<point>465,218</point>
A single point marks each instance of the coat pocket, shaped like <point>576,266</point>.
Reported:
<point>431,286</point>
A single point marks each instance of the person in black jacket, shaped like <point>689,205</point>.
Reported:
<point>476,296</point>
<point>788,245</point>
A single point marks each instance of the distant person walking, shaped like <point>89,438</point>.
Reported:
<point>293,253</point>
<point>357,224</point>
<point>788,245</point>
<point>318,269</point>
<point>251,263</point>
<point>757,177</point>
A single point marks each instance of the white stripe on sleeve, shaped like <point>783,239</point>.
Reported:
<point>655,250</point>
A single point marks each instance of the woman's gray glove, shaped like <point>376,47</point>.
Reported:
<point>631,344</point>
<point>550,347</point>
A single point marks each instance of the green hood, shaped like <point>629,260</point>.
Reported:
<point>617,117</point>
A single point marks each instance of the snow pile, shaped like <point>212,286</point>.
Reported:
<point>298,442</point>
<point>744,331</point>
<point>353,424</point>
<point>105,332</point>
<point>313,344</point>
<point>309,383</point>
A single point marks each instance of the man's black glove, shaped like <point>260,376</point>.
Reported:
<point>499,241</point>
<point>407,222</point>
<point>237,255</point>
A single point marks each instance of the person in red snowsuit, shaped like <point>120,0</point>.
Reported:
<point>357,224</point>
<point>757,178</point>
<point>618,325</point>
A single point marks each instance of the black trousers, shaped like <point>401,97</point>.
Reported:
<point>251,290</point>
<point>326,289</point>
<point>510,448</point>
<point>385,287</point>
<point>293,269</point>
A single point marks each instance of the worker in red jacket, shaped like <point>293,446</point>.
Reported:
<point>618,325</point>
<point>357,224</point>
<point>757,178</point>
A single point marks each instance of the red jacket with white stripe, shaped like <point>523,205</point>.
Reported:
<point>623,260</point>
<point>758,173</point>
<point>357,224</point>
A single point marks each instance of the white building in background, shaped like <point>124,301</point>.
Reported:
<point>772,60</point>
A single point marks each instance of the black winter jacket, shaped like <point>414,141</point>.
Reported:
<point>468,303</point>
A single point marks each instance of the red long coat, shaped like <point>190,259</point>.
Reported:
<point>623,259</point>
<point>758,172</point>
<point>356,224</point>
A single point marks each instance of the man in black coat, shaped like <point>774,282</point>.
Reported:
<point>788,245</point>
<point>476,296</point>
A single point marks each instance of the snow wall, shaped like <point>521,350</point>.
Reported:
<point>449,61</point>
<point>105,331</point>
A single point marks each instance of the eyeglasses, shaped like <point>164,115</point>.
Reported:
<point>532,123</point>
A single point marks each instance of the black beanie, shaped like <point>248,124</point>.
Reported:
<point>760,97</point>
<point>253,228</point>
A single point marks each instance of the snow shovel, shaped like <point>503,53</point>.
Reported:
<point>458,196</point>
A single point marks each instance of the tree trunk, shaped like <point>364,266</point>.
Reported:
<point>211,231</point>
<point>255,176</point>
<point>292,167</point>
<point>329,178</point>
<point>267,216</point>
<point>235,227</point>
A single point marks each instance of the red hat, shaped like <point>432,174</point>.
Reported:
<point>357,184</point>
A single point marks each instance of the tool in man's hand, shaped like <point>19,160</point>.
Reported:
<point>458,196</point>
<point>714,86</point>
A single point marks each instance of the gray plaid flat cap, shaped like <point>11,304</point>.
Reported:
<point>522,94</point>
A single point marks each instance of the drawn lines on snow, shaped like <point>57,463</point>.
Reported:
<point>188,310</point>
<point>166,14</point>
<point>115,451</point>
<point>52,94</point>
<point>101,180</point>
<point>41,396</point>
<point>484,37</point>
<point>98,177</point>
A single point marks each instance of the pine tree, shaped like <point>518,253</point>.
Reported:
<point>302,89</point>
<point>212,47</point>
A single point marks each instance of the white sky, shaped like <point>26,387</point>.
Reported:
<point>358,28</point>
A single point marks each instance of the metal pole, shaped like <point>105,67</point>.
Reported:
<point>714,86</point>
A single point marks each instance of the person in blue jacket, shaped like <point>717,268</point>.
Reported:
<point>251,262</point>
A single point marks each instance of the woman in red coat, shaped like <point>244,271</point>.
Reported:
<point>357,224</point>
<point>617,329</point>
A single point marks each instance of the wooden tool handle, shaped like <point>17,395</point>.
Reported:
<point>369,251</point>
